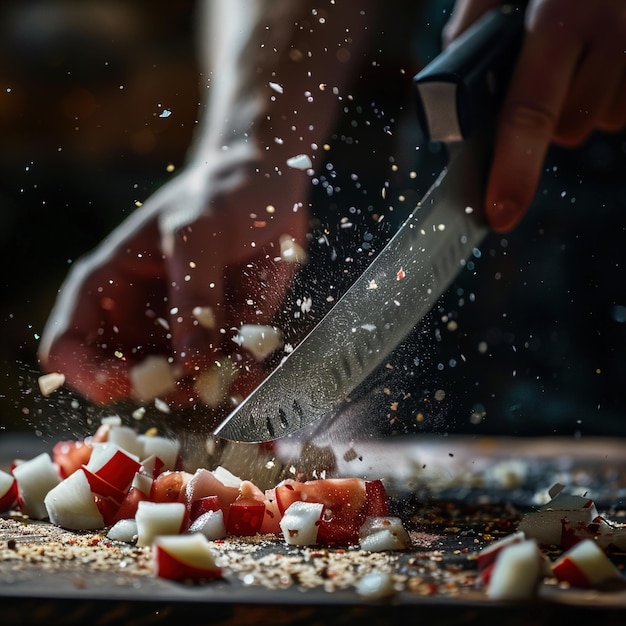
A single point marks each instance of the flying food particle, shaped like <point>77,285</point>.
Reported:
<point>300,162</point>
<point>48,383</point>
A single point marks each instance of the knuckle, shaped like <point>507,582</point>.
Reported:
<point>530,117</point>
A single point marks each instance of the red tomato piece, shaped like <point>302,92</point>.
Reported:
<point>102,488</point>
<point>344,501</point>
<point>70,455</point>
<point>567,570</point>
<point>119,470</point>
<point>169,486</point>
<point>204,483</point>
<point>333,493</point>
<point>336,531</point>
<point>172,568</point>
<point>108,508</point>
<point>203,505</point>
<point>128,508</point>
<point>9,498</point>
<point>245,517</point>
<point>377,501</point>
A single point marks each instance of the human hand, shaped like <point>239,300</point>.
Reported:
<point>134,296</point>
<point>570,80</point>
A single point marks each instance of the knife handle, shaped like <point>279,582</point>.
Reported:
<point>460,92</point>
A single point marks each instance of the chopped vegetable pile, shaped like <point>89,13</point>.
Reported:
<point>130,488</point>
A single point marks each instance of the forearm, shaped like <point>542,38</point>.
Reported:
<point>240,43</point>
<point>275,73</point>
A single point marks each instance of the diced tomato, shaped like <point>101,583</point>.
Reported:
<point>334,493</point>
<point>169,486</point>
<point>70,455</point>
<point>245,517</point>
<point>119,470</point>
<point>567,570</point>
<point>205,483</point>
<point>169,567</point>
<point>102,488</point>
<point>108,508</point>
<point>203,505</point>
<point>178,567</point>
<point>344,500</point>
<point>128,508</point>
<point>152,466</point>
<point>377,501</point>
<point>9,497</point>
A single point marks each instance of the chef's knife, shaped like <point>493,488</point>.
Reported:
<point>458,99</point>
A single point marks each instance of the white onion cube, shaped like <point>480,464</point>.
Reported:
<point>210,524</point>
<point>158,518</point>
<point>259,340</point>
<point>383,533</point>
<point>375,586</point>
<point>153,377</point>
<point>517,572</point>
<point>162,447</point>
<point>300,523</point>
<point>123,530</point>
<point>71,504</point>
<point>35,478</point>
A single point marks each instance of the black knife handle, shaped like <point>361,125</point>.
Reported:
<point>460,92</point>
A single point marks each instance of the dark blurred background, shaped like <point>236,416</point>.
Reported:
<point>531,339</point>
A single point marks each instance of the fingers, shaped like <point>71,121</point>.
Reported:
<point>570,79</point>
<point>88,371</point>
<point>108,318</point>
<point>594,95</point>
<point>532,108</point>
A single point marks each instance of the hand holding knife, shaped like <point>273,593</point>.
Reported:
<point>459,94</point>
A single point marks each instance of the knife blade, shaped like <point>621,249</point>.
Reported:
<point>458,99</point>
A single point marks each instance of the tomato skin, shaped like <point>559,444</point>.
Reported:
<point>169,486</point>
<point>344,500</point>
<point>334,493</point>
<point>377,500</point>
<point>203,505</point>
<point>9,498</point>
<point>102,488</point>
<point>170,567</point>
<point>245,517</point>
<point>108,508</point>
<point>128,508</point>
<point>119,471</point>
<point>71,455</point>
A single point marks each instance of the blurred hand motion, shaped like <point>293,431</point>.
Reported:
<point>158,307</point>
